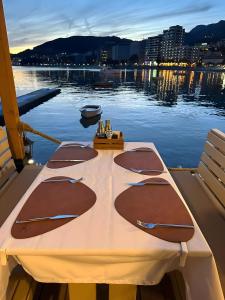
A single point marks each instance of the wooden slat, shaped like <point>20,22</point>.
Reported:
<point>32,290</point>
<point>219,133</point>
<point>215,186</point>
<point>122,292</point>
<point>213,167</point>
<point>82,291</point>
<point>4,145</point>
<point>63,291</point>
<point>216,141</point>
<point>2,133</point>
<point>216,155</point>
<point>13,283</point>
<point>4,158</point>
<point>22,289</point>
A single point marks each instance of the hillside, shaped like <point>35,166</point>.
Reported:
<point>206,33</point>
<point>75,44</point>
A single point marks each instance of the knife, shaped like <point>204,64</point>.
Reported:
<point>141,150</point>
<point>147,183</point>
<point>57,217</point>
<point>66,160</point>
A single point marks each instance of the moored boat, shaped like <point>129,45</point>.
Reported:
<point>91,111</point>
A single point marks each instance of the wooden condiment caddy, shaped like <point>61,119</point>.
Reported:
<point>116,142</point>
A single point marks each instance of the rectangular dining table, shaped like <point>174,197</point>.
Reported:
<point>101,246</point>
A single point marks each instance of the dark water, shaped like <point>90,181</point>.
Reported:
<point>173,111</point>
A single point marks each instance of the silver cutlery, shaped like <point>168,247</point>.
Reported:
<point>141,150</point>
<point>57,217</point>
<point>64,180</point>
<point>154,225</point>
<point>147,170</point>
<point>66,160</point>
<point>75,145</point>
<point>148,183</point>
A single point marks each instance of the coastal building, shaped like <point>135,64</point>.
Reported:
<point>172,43</point>
<point>153,49</point>
<point>104,56</point>
<point>213,58</point>
<point>121,52</point>
<point>135,49</point>
<point>190,54</point>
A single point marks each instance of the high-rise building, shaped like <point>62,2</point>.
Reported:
<point>172,42</point>
<point>153,49</point>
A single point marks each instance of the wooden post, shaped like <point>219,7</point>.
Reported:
<point>8,94</point>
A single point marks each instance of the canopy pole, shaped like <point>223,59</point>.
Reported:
<point>8,94</point>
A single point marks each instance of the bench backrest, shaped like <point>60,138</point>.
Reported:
<point>211,169</point>
<point>7,166</point>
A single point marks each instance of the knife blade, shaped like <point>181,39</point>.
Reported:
<point>66,160</point>
<point>147,183</point>
<point>57,217</point>
<point>141,150</point>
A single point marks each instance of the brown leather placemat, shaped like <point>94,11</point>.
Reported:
<point>49,199</point>
<point>140,160</point>
<point>155,204</point>
<point>71,153</point>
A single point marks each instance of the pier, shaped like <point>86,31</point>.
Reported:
<point>31,100</point>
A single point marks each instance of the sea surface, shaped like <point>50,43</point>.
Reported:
<point>173,110</point>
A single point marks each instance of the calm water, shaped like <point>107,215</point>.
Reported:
<point>175,112</point>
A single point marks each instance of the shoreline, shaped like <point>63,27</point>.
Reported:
<point>139,68</point>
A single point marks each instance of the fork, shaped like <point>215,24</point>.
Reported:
<point>154,225</point>
<point>147,170</point>
<point>63,180</point>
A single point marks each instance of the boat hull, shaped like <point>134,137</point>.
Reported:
<point>91,111</point>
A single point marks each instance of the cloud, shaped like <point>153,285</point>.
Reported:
<point>33,22</point>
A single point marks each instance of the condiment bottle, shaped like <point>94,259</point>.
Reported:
<point>101,128</point>
<point>107,125</point>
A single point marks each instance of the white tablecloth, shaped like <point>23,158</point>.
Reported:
<point>101,246</point>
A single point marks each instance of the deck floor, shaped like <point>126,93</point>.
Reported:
<point>22,286</point>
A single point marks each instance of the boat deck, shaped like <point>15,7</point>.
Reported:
<point>210,221</point>
<point>23,286</point>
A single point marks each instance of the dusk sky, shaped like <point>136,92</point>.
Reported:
<point>33,22</point>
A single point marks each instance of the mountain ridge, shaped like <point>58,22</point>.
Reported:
<point>82,44</point>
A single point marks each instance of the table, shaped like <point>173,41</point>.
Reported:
<point>101,246</point>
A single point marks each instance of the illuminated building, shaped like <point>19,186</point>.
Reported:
<point>172,43</point>
<point>153,49</point>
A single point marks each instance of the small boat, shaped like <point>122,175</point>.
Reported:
<point>90,111</point>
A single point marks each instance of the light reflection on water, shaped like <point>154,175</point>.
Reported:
<point>175,111</point>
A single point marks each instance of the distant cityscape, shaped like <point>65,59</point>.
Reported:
<point>168,48</point>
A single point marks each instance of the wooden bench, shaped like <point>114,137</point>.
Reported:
<point>12,185</point>
<point>204,192</point>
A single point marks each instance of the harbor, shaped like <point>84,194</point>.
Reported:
<point>187,107</point>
